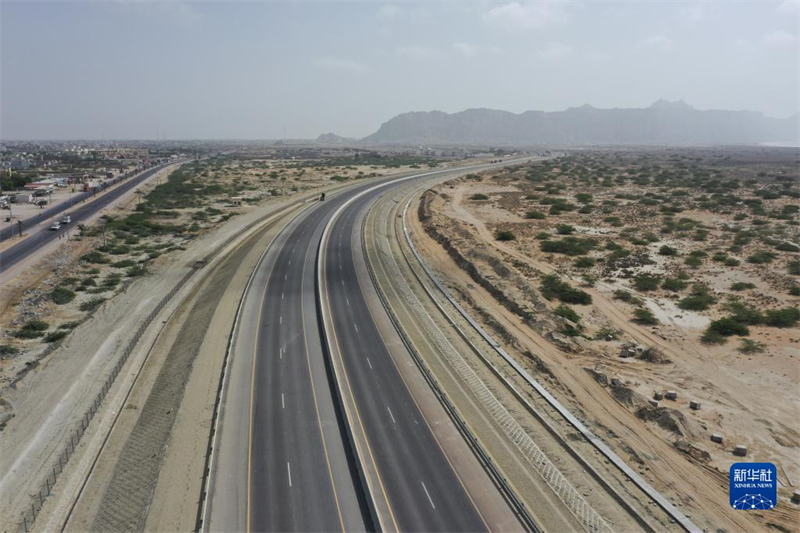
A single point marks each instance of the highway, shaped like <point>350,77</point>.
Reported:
<point>282,460</point>
<point>40,237</point>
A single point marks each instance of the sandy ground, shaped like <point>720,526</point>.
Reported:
<point>48,401</point>
<point>722,379</point>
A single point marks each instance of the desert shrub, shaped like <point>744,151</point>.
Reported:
<point>7,349</point>
<point>505,236</point>
<point>606,334</point>
<point>625,296</point>
<point>700,299</point>
<point>646,282</point>
<point>719,257</point>
<point>565,311</point>
<point>742,286</point>
<point>693,261</point>
<point>787,247</point>
<point>584,197</point>
<point>70,325</point>
<point>732,262</point>
<point>478,196</point>
<point>667,250</point>
<point>794,290</point>
<point>53,336</point>
<point>125,263</point>
<point>95,257</point>
<point>782,318</point>
<point>793,268</point>
<point>553,287</point>
<point>571,246</point>
<point>644,316</point>
<point>32,329</point>
<point>91,305</point>
<point>749,346</point>
<point>565,229</point>
<point>727,327</point>
<point>674,284</point>
<point>761,257</point>
<point>744,313</point>
<point>61,295</point>
<point>585,262</point>
<point>712,337</point>
<point>535,215</point>
<point>136,271</point>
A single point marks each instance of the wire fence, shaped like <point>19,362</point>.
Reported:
<point>39,498</point>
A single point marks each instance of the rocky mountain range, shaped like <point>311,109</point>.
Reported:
<point>663,122</point>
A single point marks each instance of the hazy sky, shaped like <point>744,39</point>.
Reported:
<point>129,69</point>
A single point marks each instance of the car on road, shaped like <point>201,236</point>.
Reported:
<point>55,225</point>
<point>66,219</point>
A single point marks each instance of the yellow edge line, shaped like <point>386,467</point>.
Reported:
<point>438,443</point>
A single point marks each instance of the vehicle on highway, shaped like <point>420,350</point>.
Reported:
<point>66,219</point>
<point>55,226</point>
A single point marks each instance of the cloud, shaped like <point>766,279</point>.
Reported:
<point>659,41</point>
<point>529,16</point>
<point>417,52</point>
<point>554,51</point>
<point>472,50</point>
<point>175,13</point>
<point>790,7</point>
<point>779,38</point>
<point>388,12</point>
<point>693,13</point>
<point>335,63</point>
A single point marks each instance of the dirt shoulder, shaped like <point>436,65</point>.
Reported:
<point>500,281</point>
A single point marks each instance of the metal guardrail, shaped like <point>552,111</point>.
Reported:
<point>483,457</point>
<point>615,459</point>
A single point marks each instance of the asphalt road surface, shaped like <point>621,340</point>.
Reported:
<point>40,237</point>
<point>282,462</point>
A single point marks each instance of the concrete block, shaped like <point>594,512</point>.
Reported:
<point>796,496</point>
<point>672,395</point>
<point>716,437</point>
<point>658,395</point>
<point>740,450</point>
<point>654,403</point>
<point>694,405</point>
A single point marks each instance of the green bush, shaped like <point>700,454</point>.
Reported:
<point>625,296</point>
<point>712,337</point>
<point>793,268</point>
<point>565,229</point>
<point>55,335</point>
<point>478,196</point>
<point>761,257</point>
<point>667,250</point>
<point>744,313</point>
<point>719,257</point>
<point>136,271</point>
<point>535,215</point>
<point>95,257</point>
<point>585,262</point>
<point>36,325</point>
<point>646,282</point>
<point>505,236</point>
<point>70,325</point>
<point>700,299</point>
<point>571,246</point>
<point>553,287</point>
<point>7,349</point>
<point>782,318</point>
<point>728,326</point>
<point>125,263</point>
<point>794,290</point>
<point>732,262</point>
<point>91,305</point>
<point>693,261</point>
<point>644,316</point>
<point>749,346</point>
<point>742,286</point>
<point>674,284</point>
<point>565,311</point>
<point>62,296</point>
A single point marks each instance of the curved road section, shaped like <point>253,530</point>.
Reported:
<point>284,458</point>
